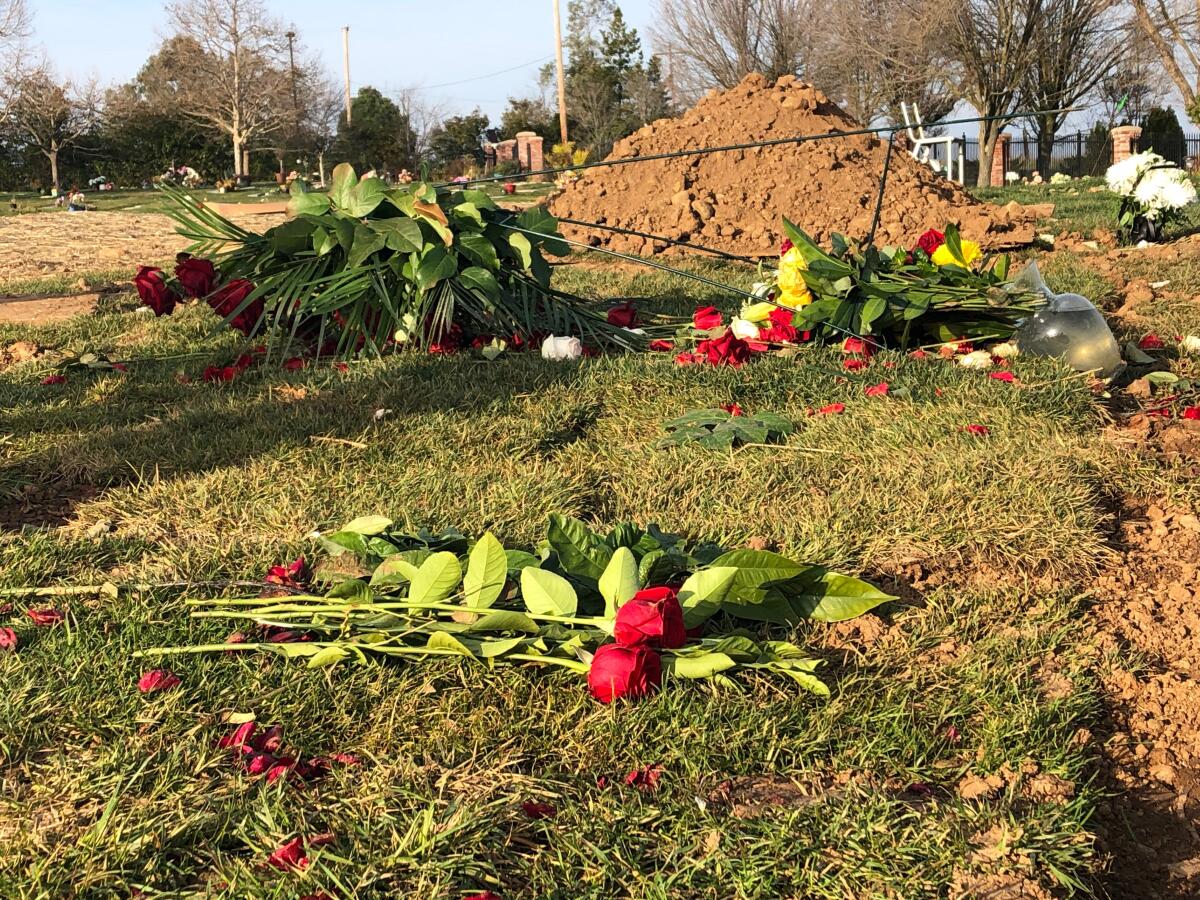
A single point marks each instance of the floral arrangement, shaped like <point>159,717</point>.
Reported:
<point>1153,193</point>
<point>625,609</point>
<point>366,267</point>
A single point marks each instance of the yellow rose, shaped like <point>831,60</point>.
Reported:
<point>757,312</point>
<point>793,291</point>
<point>970,251</point>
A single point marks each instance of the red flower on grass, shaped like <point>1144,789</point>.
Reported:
<point>662,346</point>
<point>623,316</point>
<point>46,616</point>
<point>534,810</point>
<point>930,241</point>
<point>1160,413</point>
<point>293,575</point>
<point>226,301</point>
<point>295,364</point>
<point>8,639</point>
<point>152,287</point>
<point>685,359</point>
<point>1007,377</point>
<point>877,390</point>
<point>644,779</point>
<point>726,350</point>
<point>1151,342</point>
<point>857,346</point>
<point>978,430</point>
<point>618,671</point>
<point>213,374</point>
<point>483,895</point>
<point>54,379</point>
<point>198,276</point>
<point>653,618</point>
<point>1192,413</point>
<point>157,680</point>
<point>918,354</point>
<point>832,409</point>
<point>854,364</point>
<point>733,409</point>
<point>289,856</point>
<point>706,318</point>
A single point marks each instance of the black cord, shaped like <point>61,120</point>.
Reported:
<point>887,163</point>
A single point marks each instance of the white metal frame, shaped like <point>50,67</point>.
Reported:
<point>921,144</point>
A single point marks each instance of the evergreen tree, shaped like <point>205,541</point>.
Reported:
<point>379,135</point>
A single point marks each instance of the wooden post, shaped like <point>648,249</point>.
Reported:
<point>562,81</point>
<point>346,68</point>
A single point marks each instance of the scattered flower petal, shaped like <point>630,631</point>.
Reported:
<point>289,856</point>
<point>295,364</point>
<point>878,390</point>
<point>157,680</point>
<point>979,430</point>
<point>8,639</point>
<point>661,346</point>
<point>645,778</point>
<point>832,409</point>
<point>54,379</point>
<point>1192,413</point>
<point>1006,376</point>
<point>1151,342</point>
<point>733,409</point>
<point>46,616</point>
<point>534,810</point>
<point>918,354</point>
<point>854,364</point>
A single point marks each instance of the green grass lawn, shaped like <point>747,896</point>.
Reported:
<point>980,670</point>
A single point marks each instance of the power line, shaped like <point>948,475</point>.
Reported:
<point>540,59</point>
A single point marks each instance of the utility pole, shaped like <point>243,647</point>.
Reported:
<point>346,66</point>
<point>562,81</point>
<point>291,36</point>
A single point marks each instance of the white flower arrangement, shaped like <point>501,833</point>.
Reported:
<point>1149,186</point>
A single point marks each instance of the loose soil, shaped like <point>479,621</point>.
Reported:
<point>71,245</point>
<point>1148,618</point>
<point>735,200</point>
<point>41,310</point>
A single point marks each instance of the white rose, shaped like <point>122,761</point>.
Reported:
<point>1190,344</point>
<point>744,329</point>
<point>562,348</point>
<point>1007,350</point>
<point>976,359</point>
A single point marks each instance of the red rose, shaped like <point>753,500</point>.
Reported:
<point>1191,412</point>
<point>293,575</point>
<point>198,276</point>
<point>157,680</point>
<point>780,316</point>
<point>780,334</point>
<point>930,241</point>
<point>229,297</point>
<point>785,246</point>
<point>653,617</point>
<point>45,616</point>
<point>733,409</point>
<point>289,856</point>
<point>623,316</point>
<point>8,639</point>
<point>725,350</point>
<point>624,672</point>
<point>1151,342</point>
<point>154,291</point>
<point>706,318</point>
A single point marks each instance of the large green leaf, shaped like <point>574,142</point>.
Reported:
<point>756,569</point>
<point>308,204</point>
<point>436,264</point>
<point>619,581</point>
<point>505,620</point>
<point>436,579</point>
<point>365,197</point>
<point>479,250</point>
<point>580,552</point>
<point>482,280</point>
<point>396,569</point>
<point>440,640</point>
<point>368,525</point>
<point>487,570</point>
<point>400,233</point>
<point>546,593</point>
<point>702,665</point>
<point>522,248</point>
<point>703,593</point>
<point>366,243</point>
<point>345,179</point>
<point>834,597</point>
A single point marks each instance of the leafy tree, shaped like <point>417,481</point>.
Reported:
<point>379,135</point>
<point>1162,133</point>
<point>529,114</point>
<point>458,137</point>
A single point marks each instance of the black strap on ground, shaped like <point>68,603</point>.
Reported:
<point>658,237</point>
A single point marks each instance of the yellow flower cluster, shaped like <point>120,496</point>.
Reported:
<point>970,251</point>
<point>793,291</point>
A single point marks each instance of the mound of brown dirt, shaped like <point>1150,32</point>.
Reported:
<point>735,200</point>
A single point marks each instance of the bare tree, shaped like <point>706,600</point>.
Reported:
<point>1137,83</point>
<point>53,115</point>
<point>423,115</point>
<point>993,43</point>
<point>234,72</point>
<point>14,31</point>
<point>1078,44</point>
<point>716,43</point>
<point>1173,28</point>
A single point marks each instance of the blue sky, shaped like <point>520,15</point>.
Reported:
<point>393,43</point>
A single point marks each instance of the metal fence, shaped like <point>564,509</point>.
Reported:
<point>1181,149</point>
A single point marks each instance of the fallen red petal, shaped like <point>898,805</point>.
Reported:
<point>535,810</point>
<point>157,680</point>
<point>54,379</point>
<point>1008,377</point>
<point>733,409</point>
<point>980,430</point>
<point>45,616</point>
<point>289,856</point>
<point>832,409</point>
<point>645,778</point>
<point>1151,342</point>
<point>854,364</point>
<point>8,639</point>
<point>1191,412</point>
<point>878,390</point>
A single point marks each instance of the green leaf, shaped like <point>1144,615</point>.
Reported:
<point>368,525</point>
<point>440,640</point>
<point>479,250</point>
<point>704,665</point>
<point>436,264</point>
<point>872,310</point>
<point>365,197</point>
<point>493,649</point>
<point>704,591</point>
<point>756,568</point>
<point>481,280</point>
<point>707,417</point>
<point>522,247</point>
<point>436,579</point>
<point>505,620</point>
<point>487,570</point>
<point>580,552</point>
<point>328,656</point>
<point>468,214</point>
<point>1161,378</point>
<point>401,233</point>
<point>835,598</point>
<point>520,559</point>
<point>345,179</point>
<point>308,204</point>
<point>619,581</point>
<point>395,569</point>
<point>366,243</point>
<point>546,593</point>
<point>809,682</point>
<point>340,542</point>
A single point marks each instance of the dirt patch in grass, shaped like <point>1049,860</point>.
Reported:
<point>1149,618</point>
<point>40,505</point>
<point>39,310</point>
<point>62,244</point>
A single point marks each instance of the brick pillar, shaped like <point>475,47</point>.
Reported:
<point>1124,139</point>
<point>505,151</point>
<point>534,161</point>
<point>999,159</point>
